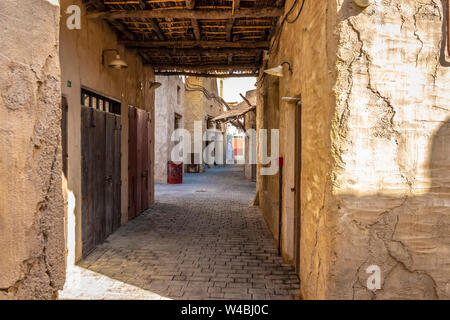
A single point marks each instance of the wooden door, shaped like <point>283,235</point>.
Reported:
<point>144,119</point>
<point>132,162</point>
<point>64,137</point>
<point>139,162</point>
<point>101,176</point>
<point>298,171</point>
<point>117,173</point>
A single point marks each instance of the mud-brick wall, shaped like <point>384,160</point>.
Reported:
<point>198,106</point>
<point>81,67</point>
<point>391,150</point>
<point>32,260</point>
<point>375,147</point>
<point>307,44</point>
<point>169,100</point>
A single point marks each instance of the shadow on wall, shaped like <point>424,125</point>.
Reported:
<point>407,237</point>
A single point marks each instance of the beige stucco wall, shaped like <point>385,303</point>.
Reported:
<point>81,63</point>
<point>249,122</point>
<point>167,103</point>
<point>391,169</point>
<point>375,101</point>
<point>32,264</point>
<point>198,106</point>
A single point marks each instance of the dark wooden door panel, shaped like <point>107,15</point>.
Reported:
<point>117,176</point>
<point>101,176</point>
<point>86,181</point>
<point>99,167</point>
<point>144,161</point>
<point>139,156</point>
<point>109,172</point>
<point>64,137</point>
<point>132,161</point>
<point>140,176</point>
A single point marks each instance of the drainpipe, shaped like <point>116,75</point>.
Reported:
<point>280,203</point>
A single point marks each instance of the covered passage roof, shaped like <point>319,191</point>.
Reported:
<point>235,112</point>
<point>218,38</point>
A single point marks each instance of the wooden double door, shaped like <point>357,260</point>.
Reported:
<point>101,176</point>
<point>140,155</point>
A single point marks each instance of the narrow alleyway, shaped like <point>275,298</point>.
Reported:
<point>201,240</point>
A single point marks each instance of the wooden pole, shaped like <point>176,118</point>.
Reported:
<point>206,52</point>
<point>190,4</point>
<point>205,68</point>
<point>200,44</point>
<point>267,12</point>
<point>205,75</point>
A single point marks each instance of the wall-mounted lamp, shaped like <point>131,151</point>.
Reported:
<point>154,85</point>
<point>278,71</point>
<point>363,3</point>
<point>117,63</point>
<point>291,99</point>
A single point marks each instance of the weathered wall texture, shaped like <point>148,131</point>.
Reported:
<point>306,44</point>
<point>32,260</point>
<point>375,109</point>
<point>198,106</point>
<point>169,100</point>
<point>81,64</point>
<point>391,151</point>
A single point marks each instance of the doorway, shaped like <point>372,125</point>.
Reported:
<point>140,157</point>
<point>298,176</point>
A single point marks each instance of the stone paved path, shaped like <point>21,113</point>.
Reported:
<point>201,240</point>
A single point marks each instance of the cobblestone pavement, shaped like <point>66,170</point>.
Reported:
<point>201,240</point>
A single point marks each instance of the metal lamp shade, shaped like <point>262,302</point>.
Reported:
<point>277,71</point>
<point>118,63</point>
<point>363,3</point>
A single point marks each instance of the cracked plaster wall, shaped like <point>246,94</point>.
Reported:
<point>375,147</point>
<point>391,151</point>
<point>32,260</point>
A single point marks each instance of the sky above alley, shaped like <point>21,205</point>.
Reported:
<point>232,87</point>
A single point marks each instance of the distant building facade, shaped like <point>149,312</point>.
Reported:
<point>202,104</point>
<point>169,116</point>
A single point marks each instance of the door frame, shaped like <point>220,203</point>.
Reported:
<point>297,177</point>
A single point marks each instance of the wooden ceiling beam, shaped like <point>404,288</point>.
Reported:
<point>200,44</point>
<point>205,68</point>
<point>98,4</point>
<point>266,12</point>
<point>155,26</point>
<point>207,75</point>
<point>145,57</point>
<point>229,29</point>
<point>141,4</point>
<point>206,52</point>
<point>196,28</point>
<point>123,29</point>
<point>190,4</point>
